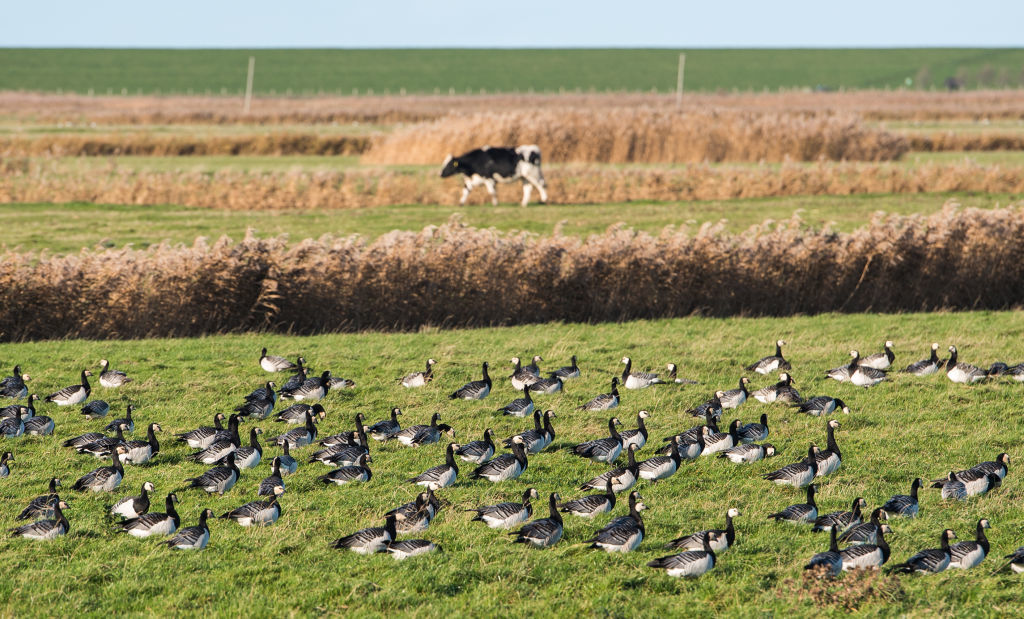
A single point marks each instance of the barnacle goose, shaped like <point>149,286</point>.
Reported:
<point>841,373</point>
<point>724,538</point>
<point>5,468</point>
<point>968,483</point>
<point>417,435</point>
<point>602,449</point>
<point>219,479</point>
<point>830,459</point>
<point>102,447</point>
<point>638,436</point>
<point>962,372</point>
<point>999,466</point>
<point>83,439</point>
<point>418,379</point>
<point>296,413</point>
<point>340,455</point>
<point>478,452</point>
<point>902,504</point>
<point>274,363</point>
<point>965,555</point>
<point>624,537</point>
<point>867,556</point>
<point>294,381</point>
<point>692,433</point>
<point>673,375</point>
<point>386,427</point>
<point>193,538</point>
<point>12,427</point>
<point>410,548</point>
<point>637,380</point>
<point>506,515</point>
<point>547,385</point>
<point>349,437</point>
<point>474,390</point>
<point>39,425</point>
<point>605,401</point>
<point>204,436</point>
<point>337,382</point>
<point>96,409</point>
<point>249,457</point>
<point>74,394</point>
<point>522,377</point>
<point>823,405</point>
<point>1016,561</point>
<point>767,365</point>
<point>299,437</point>
<point>417,514</point>
<point>798,474</point>
<point>841,520</point>
<point>371,540</point>
<point>800,512</point>
<point>782,391</point>
<point>257,512</point>
<point>720,441</point>
<point>1017,372</point>
<point>543,532</point>
<point>312,389</point>
<point>747,453</point>
<point>131,507</point>
<point>349,474</point>
<point>734,397</point>
<point>155,523</point>
<point>691,563</point>
<point>592,504</point>
<point>221,447</point>
<point>105,478</point>
<point>712,407</point>
<point>126,420</point>
<point>566,372</point>
<point>288,464</point>
<point>42,505</point>
<point>830,561</point>
<point>537,439</point>
<point>520,407</point>
<point>925,366</point>
<point>862,375</point>
<point>932,560</point>
<point>26,412</point>
<point>273,481</point>
<point>691,449</point>
<point>112,378</point>
<point>661,467</point>
<point>505,466</point>
<point>865,532</point>
<point>259,408</point>
<point>880,360</point>
<point>636,505</point>
<point>45,529</point>
<point>14,386</point>
<point>442,475</point>
<point>139,452</point>
<point>753,432</point>
<point>623,478</point>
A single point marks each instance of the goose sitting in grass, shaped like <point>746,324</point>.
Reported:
<point>1000,466</point>
<point>830,561</point>
<point>219,479</point>
<point>140,452</point>
<point>544,532</point>
<point>712,407</point>
<point>566,372</point>
<point>880,360</point>
<point>521,377</point>
<point>193,538</point>
<point>26,412</point>
<point>673,376</point>
<point>520,407</point>
<point>636,505</point>
<point>623,478</point>
<point>406,548</point>
<point>547,385</point>
<point>96,409</point>
<point>822,405</point>
<point>381,430</point>
<point>220,448</point>
<point>720,441</point>
<point>38,425</point>
<point>863,375</point>
<point>782,391</point>
<point>840,374</point>
<point>5,468</point>
<point>348,437</point>
<point>155,523</point>
<point>273,481</point>
<point>296,380</point>
<point>506,515</point>
<point>534,367</point>
<point>865,532</point>
<point>771,363</point>
<point>474,390</point>
<point>735,397</point>
<point>105,478</point>
<point>371,540</point>
<point>830,459</point>
<point>592,504</point>
<point>102,447</point>
<point>418,435</point>
<point>257,513</point>
<point>930,561</point>
<point>751,452</point>
<point>798,474</point>
<point>357,472</point>
<point>131,507</point>
<point>800,512</point>
<point>537,439</point>
<point>288,464</point>
<point>480,451</point>
<point>965,555</point>
<point>1015,561</point>
<point>691,563</point>
<point>340,455</point>
<point>312,389</point>
<point>841,520</point>
<point>440,476</point>
<point>637,380</point>
<point>12,427</point>
<point>249,457</point>
<point>867,556</point>
<point>661,467</point>
<point>691,449</point>
<point>127,421</point>
<point>74,394</point>
<point>960,486</point>
<point>724,538</point>
<point>299,437</point>
<point>963,373</point>
<point>275,363</point>
<point>505,466</point>
<point>45,529</point>
<point>296,413</point>
<point>925,367</point>
<point>14,386</point>
<point>624,537</point>
<point>753,432</point>
<point>259,408</point>
<point>112,378</point>
<point>416,514</point>
<point>603,449</point>
<point>605,401</point>
<point>903,504</point>
<point>419,379</point>
<point>204,436</point>
<point>42,505</point>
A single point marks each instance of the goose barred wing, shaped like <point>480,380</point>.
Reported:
<point>591,504</point>
<point>689,563</point>
<point>250,510</point>
<point>191,537</point>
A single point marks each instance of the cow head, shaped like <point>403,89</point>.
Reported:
<point>449,167</point>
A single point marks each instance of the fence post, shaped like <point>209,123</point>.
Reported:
<point>679,80</point>
<point>248,84</point>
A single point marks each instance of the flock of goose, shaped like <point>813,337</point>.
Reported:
<point>348,453</point>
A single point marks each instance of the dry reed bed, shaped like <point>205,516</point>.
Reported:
<point>454,275</point>
<point>871,104</point>
<point>33,180</point>
<point>148,144</point>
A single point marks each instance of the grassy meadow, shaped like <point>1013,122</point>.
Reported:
<point>900,429</point>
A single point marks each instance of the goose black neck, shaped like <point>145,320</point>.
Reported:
<point>217,423</point>
<point>389,525</point>
<point>733,428</point>
<point>490,442</point>
<point>550,429</point>
<point>833,545</point>
<point>116,458</point>
<point>730,530</point>
<point>526,499</point>
<point>641,426</point>
<point>913,490</point>
<point>810,496</point>
<point>519,451</point>
<point>945,541</point>
<point>526,393</point>
<point>625,372</point>
<point>487,377</point>
<point>935,356</point>
<point>553,509</point>
<point>151,438</point>
<point>145,493</point>
<point>707,547</point>
<point>202,519</point>
<point>952,360</point>
<point>254,441</point>
<point>394,415</point>
<point>631,457</point>
<point>856,510</point>
<point>674,454</point>
<point>169,506</point>
<point>883,546</point>
<point>610,493</point>
<point>449,457</point>
<point>981,538</point>
<point>536,420</point>
<point>778,350</point>
<point>831,440</point>
<point>59,516</point>
<point>574,366</point>
<point>276,472</point>
<point>85,382</point>
<point>53,485</point>
<point>611,428</point>
<point>743,387</point>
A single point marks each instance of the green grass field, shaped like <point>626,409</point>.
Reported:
<point>898,430</point>
<point>64,228</point>
<point>333,71</point>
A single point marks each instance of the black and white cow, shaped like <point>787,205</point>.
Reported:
<point>486,166</point>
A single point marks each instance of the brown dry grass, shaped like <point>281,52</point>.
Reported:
<point>848,594</point>
<point>32,180</point>
<point>92,145</point>
<point>455,275</point>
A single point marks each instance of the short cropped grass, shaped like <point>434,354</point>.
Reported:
<point>900,429</point>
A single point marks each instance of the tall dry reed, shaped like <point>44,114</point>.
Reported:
<point>155,144</point>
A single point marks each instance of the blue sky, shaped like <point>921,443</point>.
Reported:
<point>515,23</point>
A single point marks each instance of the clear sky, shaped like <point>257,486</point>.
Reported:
<point>513,23</point>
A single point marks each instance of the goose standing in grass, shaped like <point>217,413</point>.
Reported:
<point>537,439</point>
<point>566,372</point>
<point>543,532</point>
<point>275,363</point>
<point>965,555</point>
<point>623,537</point>
<point>258,512</point>
<point>406,548</point>
<point>505,466</point>
<point>105,478</point>
<point>474,390</point>
<point>547,385</point>
<point>733,398</point>
<point>800,512</point>
<point>867,556</point>
<point>720,441</point>
<point>440,476</point>
<point>14,386</point>
<point>112,378</point>
<point>155,523</point>
<point>419,379</point>
<point>478,452</point>
<point>260,408</point>
<point>415,436</point>
<point>96,409</point>
<point>5,468</point>
<point>822,405</point>
<point>903,504</point>
<point>520,407</point>
<point>193,538</point>
<point>724,538</point>
<point>841,520</point>
<point>127,420</point>
<point>691,563</point>
<point>249,457</point>
<point>605,401</point>
<point>219,479</point>
<point>300,376</point>
<point>930,561</point>
<point>712,407</point>
<point>753,432</point>
<point>417,514</point>
<point>603,449</point>
<point>74,394</point>
<point>521,377</point>
<point>268,484</point>
<point>12,427</point>
<point>831,458</point>
<point>782,391</point>
<point>880,360</point>
<point>661,467</point>
<point>862,375</point>
<point>506,515</point>
<point>673,375</point>
<point>131,507</point>
<point>381,430</point>
<point>299,437</point>
<point>204,436</point>
<point>637,380</point>
<point>830,561</point>
<point>798,474</point>
<point>357,472</point>
<point>312,389</point>
<point>751,452</point>
<point>371,540</point>
<point>227,442</point>
<point>45,529</point>
<point>42,505</point>
<point>771,363</point>
<point>592,504</point>
<point>638,436</point>
<point>865,532</point>
<point>140,452</point>
<point>963,373</point>
<point>296,413</point>
<point>925,367</point>
<point>623,478</point>
<point>288,464</point>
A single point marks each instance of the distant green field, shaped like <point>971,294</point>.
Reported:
<point>337,71</point>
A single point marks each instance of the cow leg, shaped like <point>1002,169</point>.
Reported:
<point>490,189</point>
<point>466,188</point>
<point>527,190</point>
